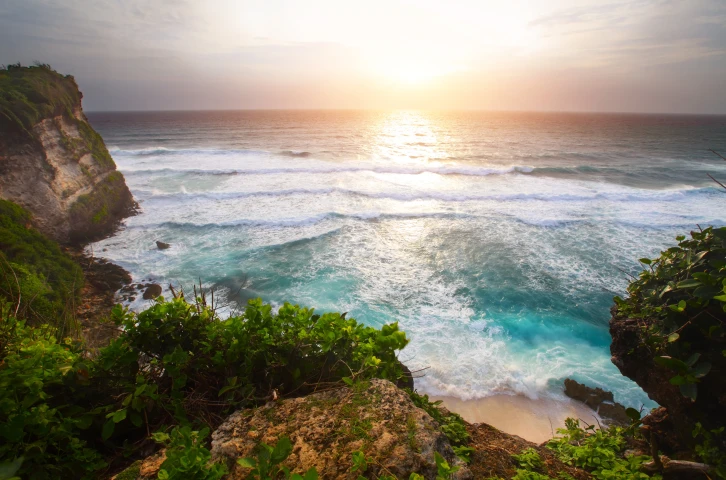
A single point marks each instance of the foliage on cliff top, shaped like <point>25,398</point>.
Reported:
<point>681,300</point>
<point>35,275</point>
<point>29,94</point>
<point>174,363</point>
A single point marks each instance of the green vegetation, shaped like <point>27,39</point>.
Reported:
<point>681,298</point>
<point>267,465</point>
<point>361,463</point>
<point>529,459</point>
<point>599,451</point>
<point>95,145</point>
<point>680,304</point>
<point>30,94</point>
<point>36,277</point>
<point>452,425</point>
<point>187,458</point>
<point>175,363</point>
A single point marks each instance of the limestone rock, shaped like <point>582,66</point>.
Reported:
<point>327,427</point>
<point>60,170</point>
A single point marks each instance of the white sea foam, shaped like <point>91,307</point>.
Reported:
<point>403,170</point>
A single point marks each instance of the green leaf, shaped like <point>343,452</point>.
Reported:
<point>689,390</point>
<point>693,359</point>
<point>136,419</point>
<point>311,474</point>
<point>706,291</point>
<point>701,370</point>
<point>347,380</point>
<point>108,428</point>
<point>119,416</point>
<point>689,284</point>
<point>633,414</point>
<point>669,362</point>
<point>673,337</point>
<point>646,261</point>
<point>247,462</point>
<point>282,450</point>
<point>9,469</point>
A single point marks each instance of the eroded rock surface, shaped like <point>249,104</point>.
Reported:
<point>60,170</point>
<point>599,400</point>
<point>326,428</point>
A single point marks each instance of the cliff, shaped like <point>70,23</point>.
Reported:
<point>669,337</point>
<point>52,162</point>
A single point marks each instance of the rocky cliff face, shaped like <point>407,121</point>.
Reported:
<point>375,418</point>
<point>674,422</point>
<point>52,162</point>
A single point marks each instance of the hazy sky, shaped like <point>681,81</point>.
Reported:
<point>628,55</point>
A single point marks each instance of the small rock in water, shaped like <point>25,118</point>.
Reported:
<point>592,397</point>
<point>162,245</point>
<point>599,400</point>
<point>152,291</point>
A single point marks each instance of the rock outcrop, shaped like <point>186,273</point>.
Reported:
<point>326,428</point>
<point>632,355</point>
<point>599,400</point>
<point>52,162</point>
<point>377,418</point>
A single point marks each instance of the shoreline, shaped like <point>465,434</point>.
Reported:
<point>533,420</point>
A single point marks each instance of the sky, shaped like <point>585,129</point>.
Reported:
<point>547,55</point>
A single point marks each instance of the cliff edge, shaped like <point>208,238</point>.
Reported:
<point>52,162</point>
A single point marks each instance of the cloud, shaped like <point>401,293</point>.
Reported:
<point>654,55</point>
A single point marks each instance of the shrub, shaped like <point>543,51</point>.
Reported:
<point>186,456</point>
<point>29,94</point>
<point>175,363</point>
<point>40,280</point>
<point>681,299</point>
<point>600,451</point>
<point>40,427</point>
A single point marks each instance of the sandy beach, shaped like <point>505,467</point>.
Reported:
<point>533,420</point>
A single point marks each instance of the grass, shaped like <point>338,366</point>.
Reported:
<point>34,270</point>
<point>30,94</point>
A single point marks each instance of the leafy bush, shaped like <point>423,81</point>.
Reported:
<point>200,367</point>
<point>29,94</point>
<point>267,465</point>
<point>40,280</point>
<point>42,428</point>
<point>175,363</point>
<point>681,299</point>
<point>186,456</point>
<point>599,451</point>
<point>529,459</point>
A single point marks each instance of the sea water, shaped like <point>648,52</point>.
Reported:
<point>496,240</point>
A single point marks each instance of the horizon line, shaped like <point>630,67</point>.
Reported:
<point>452,110</point>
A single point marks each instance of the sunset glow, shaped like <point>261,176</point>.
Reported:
<point>563,55</point>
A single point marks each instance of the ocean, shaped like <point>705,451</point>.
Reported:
<point>496,240</point>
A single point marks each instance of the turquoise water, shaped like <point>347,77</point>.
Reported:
<point>496,240</point>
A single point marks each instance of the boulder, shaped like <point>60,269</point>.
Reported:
<point>162,245</point>
<point>326,428</point>
<point>152,291</point>
<point>599,400</point>
<point>592,397</point>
